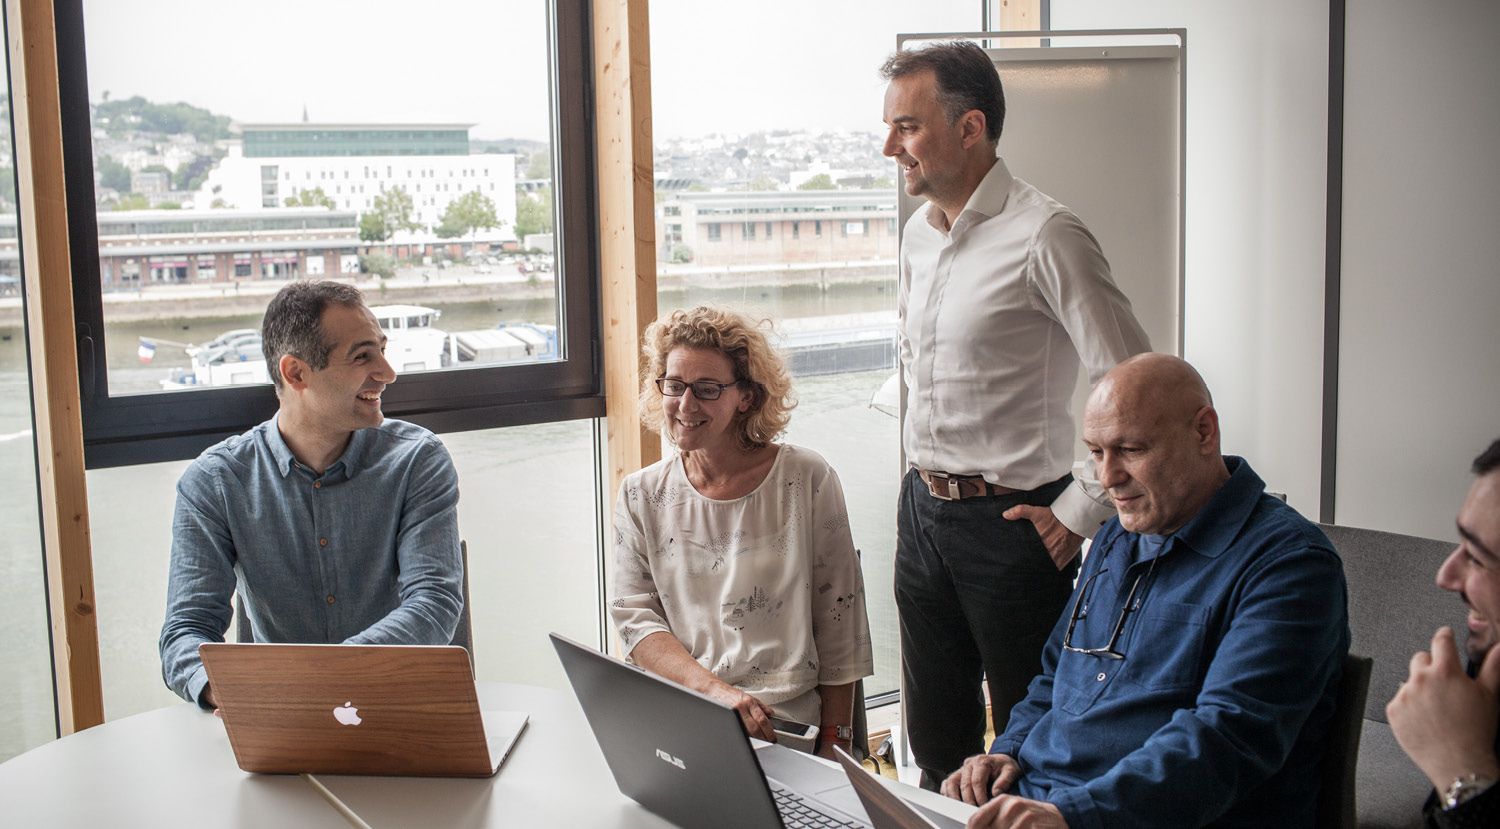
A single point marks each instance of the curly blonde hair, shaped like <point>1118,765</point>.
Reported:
<point>757,366</point>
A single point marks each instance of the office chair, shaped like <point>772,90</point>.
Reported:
<point>1339,768</point>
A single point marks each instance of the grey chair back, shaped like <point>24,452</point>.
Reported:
<point>1394,608</point>
<point>463,634</point>
<point>1339,769</point>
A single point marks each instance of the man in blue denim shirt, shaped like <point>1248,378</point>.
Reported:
<point>335,524</point>
<point>1193,681</point>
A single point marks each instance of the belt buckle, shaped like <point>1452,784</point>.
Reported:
<point>955,492</point>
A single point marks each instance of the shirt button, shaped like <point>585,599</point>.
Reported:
<point>322,542</point>
<point>330,601</point>
<point>1100,677</point>
<point>317,484</point>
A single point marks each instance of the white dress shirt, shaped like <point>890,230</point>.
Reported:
<point>995,314</point>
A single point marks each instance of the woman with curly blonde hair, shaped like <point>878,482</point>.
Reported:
<point>735,572</point>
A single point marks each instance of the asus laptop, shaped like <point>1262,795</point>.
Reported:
<point>357,709</point>
<point>687,758</point>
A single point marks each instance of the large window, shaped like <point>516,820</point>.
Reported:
<point>533,568</point>
<point>27,718</point>
<point>773,148</point>
<point>447,177</point>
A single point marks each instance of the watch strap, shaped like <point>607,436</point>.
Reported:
<point>836,732</point>
<point>1464,788</point>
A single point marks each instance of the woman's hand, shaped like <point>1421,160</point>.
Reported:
<point>756,715</point>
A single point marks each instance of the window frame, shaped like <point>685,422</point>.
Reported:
<point>161,426</point>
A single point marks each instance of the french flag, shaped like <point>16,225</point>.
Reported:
<point>146,351</point>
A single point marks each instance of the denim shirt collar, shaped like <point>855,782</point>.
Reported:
<point>345,468</point>
<point>1221,520</point>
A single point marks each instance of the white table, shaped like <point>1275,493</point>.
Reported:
<point>174,767</point>
<point>166,768</point>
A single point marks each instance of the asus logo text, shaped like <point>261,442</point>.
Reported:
<point>670,759</point>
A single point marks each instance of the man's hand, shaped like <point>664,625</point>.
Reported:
<point>1009,811</point>
<point>981,777</point>
<point>1062,543</point>
<point>1444,720</point>
<point>755,714</point>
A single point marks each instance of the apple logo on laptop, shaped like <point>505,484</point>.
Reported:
<point>348,715</point>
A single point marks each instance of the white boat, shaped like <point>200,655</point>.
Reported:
<point>235,358</point>
<point>412,343</point>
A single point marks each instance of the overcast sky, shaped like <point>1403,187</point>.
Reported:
<point>716,66</point>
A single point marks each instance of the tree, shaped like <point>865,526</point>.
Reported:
<point>533,212</point>
<point>167,205</point>
<point>190,175</point>
<point>821,181</point>
<point>113,174</point>
<point>378,262</point>
<point>762,182</point>
<point>134,201</point>
<point>469,213</point>
<point>137,113</point>
<point>312,198</point>
<point>390,214</point>
<point>539,166</point>
<point>882,183</point>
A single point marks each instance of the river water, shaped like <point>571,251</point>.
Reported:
<point>528,512</point>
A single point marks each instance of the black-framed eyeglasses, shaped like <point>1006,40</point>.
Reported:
<point>1081,611</point>
<point>703,390</point>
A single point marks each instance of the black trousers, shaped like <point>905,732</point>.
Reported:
<point>978,596</point>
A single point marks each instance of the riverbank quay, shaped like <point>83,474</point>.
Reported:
<point>432,286</point>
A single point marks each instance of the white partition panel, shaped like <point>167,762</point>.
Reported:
<point>1419,351</point>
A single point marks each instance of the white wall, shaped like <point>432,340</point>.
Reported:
<point>1419,381</point>
<point>1257,118</point>
<point>1419,347</point>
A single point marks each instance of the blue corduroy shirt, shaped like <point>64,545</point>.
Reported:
<point>1217,713</point>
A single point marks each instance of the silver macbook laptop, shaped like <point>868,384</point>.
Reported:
<point>357,709</point>
<point>885,808</point>
<point>687,758</point>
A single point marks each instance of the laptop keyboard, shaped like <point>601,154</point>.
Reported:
<point>797,813</point>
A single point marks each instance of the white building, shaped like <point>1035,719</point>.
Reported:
<point>354,163</point>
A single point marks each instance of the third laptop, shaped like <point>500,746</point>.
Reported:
<point>686,757</point>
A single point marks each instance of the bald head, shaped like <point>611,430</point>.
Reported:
<point>1153,385</point>
<point>1154,435</point>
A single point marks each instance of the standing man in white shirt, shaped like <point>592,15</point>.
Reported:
<point>1002,292</point>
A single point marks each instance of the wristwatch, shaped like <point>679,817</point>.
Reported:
<point>836,732</point>
<point>1465,788</point>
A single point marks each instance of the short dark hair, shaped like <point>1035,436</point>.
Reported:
<point>294,323</point>
<point>966,79</point>
<point>1488,460</point>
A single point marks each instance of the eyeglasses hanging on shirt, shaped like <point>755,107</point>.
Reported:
<point>1131,605</point>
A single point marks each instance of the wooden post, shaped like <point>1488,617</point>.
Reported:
<point>47,277</point>
<point>1020,16</point>
<point>627,227</point>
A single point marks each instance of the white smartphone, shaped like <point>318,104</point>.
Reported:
<point>798,735</point>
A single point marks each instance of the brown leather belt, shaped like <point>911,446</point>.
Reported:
<point>958,487</point>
